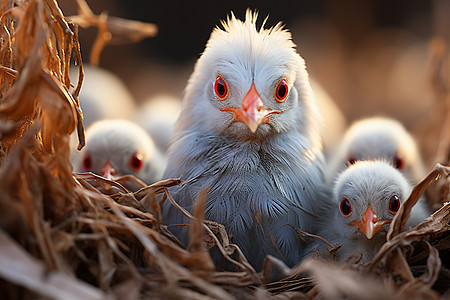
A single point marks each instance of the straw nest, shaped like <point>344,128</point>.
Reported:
<point>62,238</point>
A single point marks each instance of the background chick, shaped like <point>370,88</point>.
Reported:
<point>103,95</point>
<point>378,138</point>
<point>119,147</point>
<point>158,116</point>
<point>333,120</point>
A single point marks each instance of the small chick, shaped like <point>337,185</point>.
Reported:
<point>378,138</point>
<point>158,116</point>
<point>118,147</point>
<point>366,198</point>
<point>333,120</point>
<point>103,96</point>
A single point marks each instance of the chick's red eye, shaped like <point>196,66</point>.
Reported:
<point>136,161</point>
<point>87,162</point>
<point>394,204</point>
<point>221,88</point>
<point>398,162</point>
<point>346,208</point>
<point>281,91</point>
<point>352,160</point>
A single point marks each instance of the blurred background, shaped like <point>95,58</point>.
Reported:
<point>372,57</point>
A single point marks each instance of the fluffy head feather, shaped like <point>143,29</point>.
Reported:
<point>116,141</point>
<point>380,138</point>
<point>157,116</point>
<point>103,96</point>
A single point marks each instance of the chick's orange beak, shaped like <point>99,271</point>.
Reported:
<point>108,171</point>
<point>251,112</point>
<point>369,224</point>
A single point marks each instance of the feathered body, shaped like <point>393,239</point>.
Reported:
<point>257,181</point>
<point>374,184</point>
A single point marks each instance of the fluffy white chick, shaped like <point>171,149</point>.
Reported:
<point>119,147</point>
<point>366,198</point>
<point>334,122</point>
<point>248,133</point>
<point>103,95</point>
<point>158,116</point>
<point>378,138</point>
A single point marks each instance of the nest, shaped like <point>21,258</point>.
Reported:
<point>62,238</point>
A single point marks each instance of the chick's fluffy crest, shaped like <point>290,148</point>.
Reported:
<point>371,179</point>
<point>234,25</point>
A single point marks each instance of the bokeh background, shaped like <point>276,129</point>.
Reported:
<point>371,56</point>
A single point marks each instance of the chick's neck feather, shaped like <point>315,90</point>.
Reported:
<point>265,176</point>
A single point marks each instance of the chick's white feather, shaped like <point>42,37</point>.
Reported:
<point>379,138</point>
<point>334,122</point>
<point>257,182</point>
<point>158,116</point>
<point>116,141</point>
<point>364,184</point>
<point>103,96</point>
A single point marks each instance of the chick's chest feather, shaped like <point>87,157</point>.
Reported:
<point>246,178</point>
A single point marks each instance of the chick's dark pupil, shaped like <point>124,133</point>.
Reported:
<point>220,88</point>
<point>398,163</point>
<point>345,206</point>
<point>282,91</point>
<point>394,204</point>
<point>87,162</point>
<point>136,162</point>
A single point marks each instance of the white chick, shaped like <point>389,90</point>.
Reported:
<point>334,122</point>
<point>248,133</point>
<point>158,116</point>
<point>378,138</point>
<point>103,95</point>
<point>366,198</point>
<point>119,147</point>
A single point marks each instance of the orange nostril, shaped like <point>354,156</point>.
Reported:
<point>259,105</point>
<point>364,219</point>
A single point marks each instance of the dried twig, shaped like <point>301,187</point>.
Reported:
<point>110,28</point>
<point>399,222</point>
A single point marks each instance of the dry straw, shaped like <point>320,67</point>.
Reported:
<point>62,238</point>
